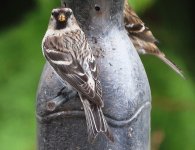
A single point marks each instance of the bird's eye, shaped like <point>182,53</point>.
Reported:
<point>54,13</point>
<point>68,13</point>
<point>97,7</point>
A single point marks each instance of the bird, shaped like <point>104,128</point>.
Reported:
<point>142,37</point>
<point>67,50</point>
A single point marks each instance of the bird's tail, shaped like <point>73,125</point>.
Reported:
<point>171,65</point>
<point>96,122</point>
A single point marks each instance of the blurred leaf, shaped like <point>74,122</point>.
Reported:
<point>141,5</point>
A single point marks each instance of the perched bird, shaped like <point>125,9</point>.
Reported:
<point>67,50</point>
<point>142,38</point>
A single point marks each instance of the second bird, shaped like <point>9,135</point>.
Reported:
<point>142,38</point>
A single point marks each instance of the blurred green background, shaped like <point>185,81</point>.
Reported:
<point>22,26</point>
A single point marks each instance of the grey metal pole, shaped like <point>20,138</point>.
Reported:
<point>126,92</point>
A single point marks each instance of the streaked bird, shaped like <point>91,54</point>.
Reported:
<point>67,50</point>
<point>142,38</point>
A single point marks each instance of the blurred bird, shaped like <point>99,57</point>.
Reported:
<point>67,50</point>
<point>142,38</point>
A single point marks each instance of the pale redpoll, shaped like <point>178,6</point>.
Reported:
<point>67,50</point>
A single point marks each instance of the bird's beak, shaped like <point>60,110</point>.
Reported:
<point>61,17</point>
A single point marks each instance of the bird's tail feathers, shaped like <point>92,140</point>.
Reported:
<point>96,122</point>
<point>171,64</point>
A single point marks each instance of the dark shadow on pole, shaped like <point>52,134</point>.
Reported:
<point>126,92</point>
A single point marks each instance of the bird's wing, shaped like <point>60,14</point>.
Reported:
<point>69,68</point>
<point>136,28</point>
<point>142,38</point>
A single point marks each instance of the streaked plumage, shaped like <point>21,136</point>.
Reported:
<point>142,37</point>
<point>67,50</point>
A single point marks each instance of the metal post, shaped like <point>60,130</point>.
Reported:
<point>126,92</point>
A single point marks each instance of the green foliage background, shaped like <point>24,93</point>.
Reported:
<point>21,63</point>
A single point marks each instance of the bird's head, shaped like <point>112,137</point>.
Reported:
<point>61,18</point>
